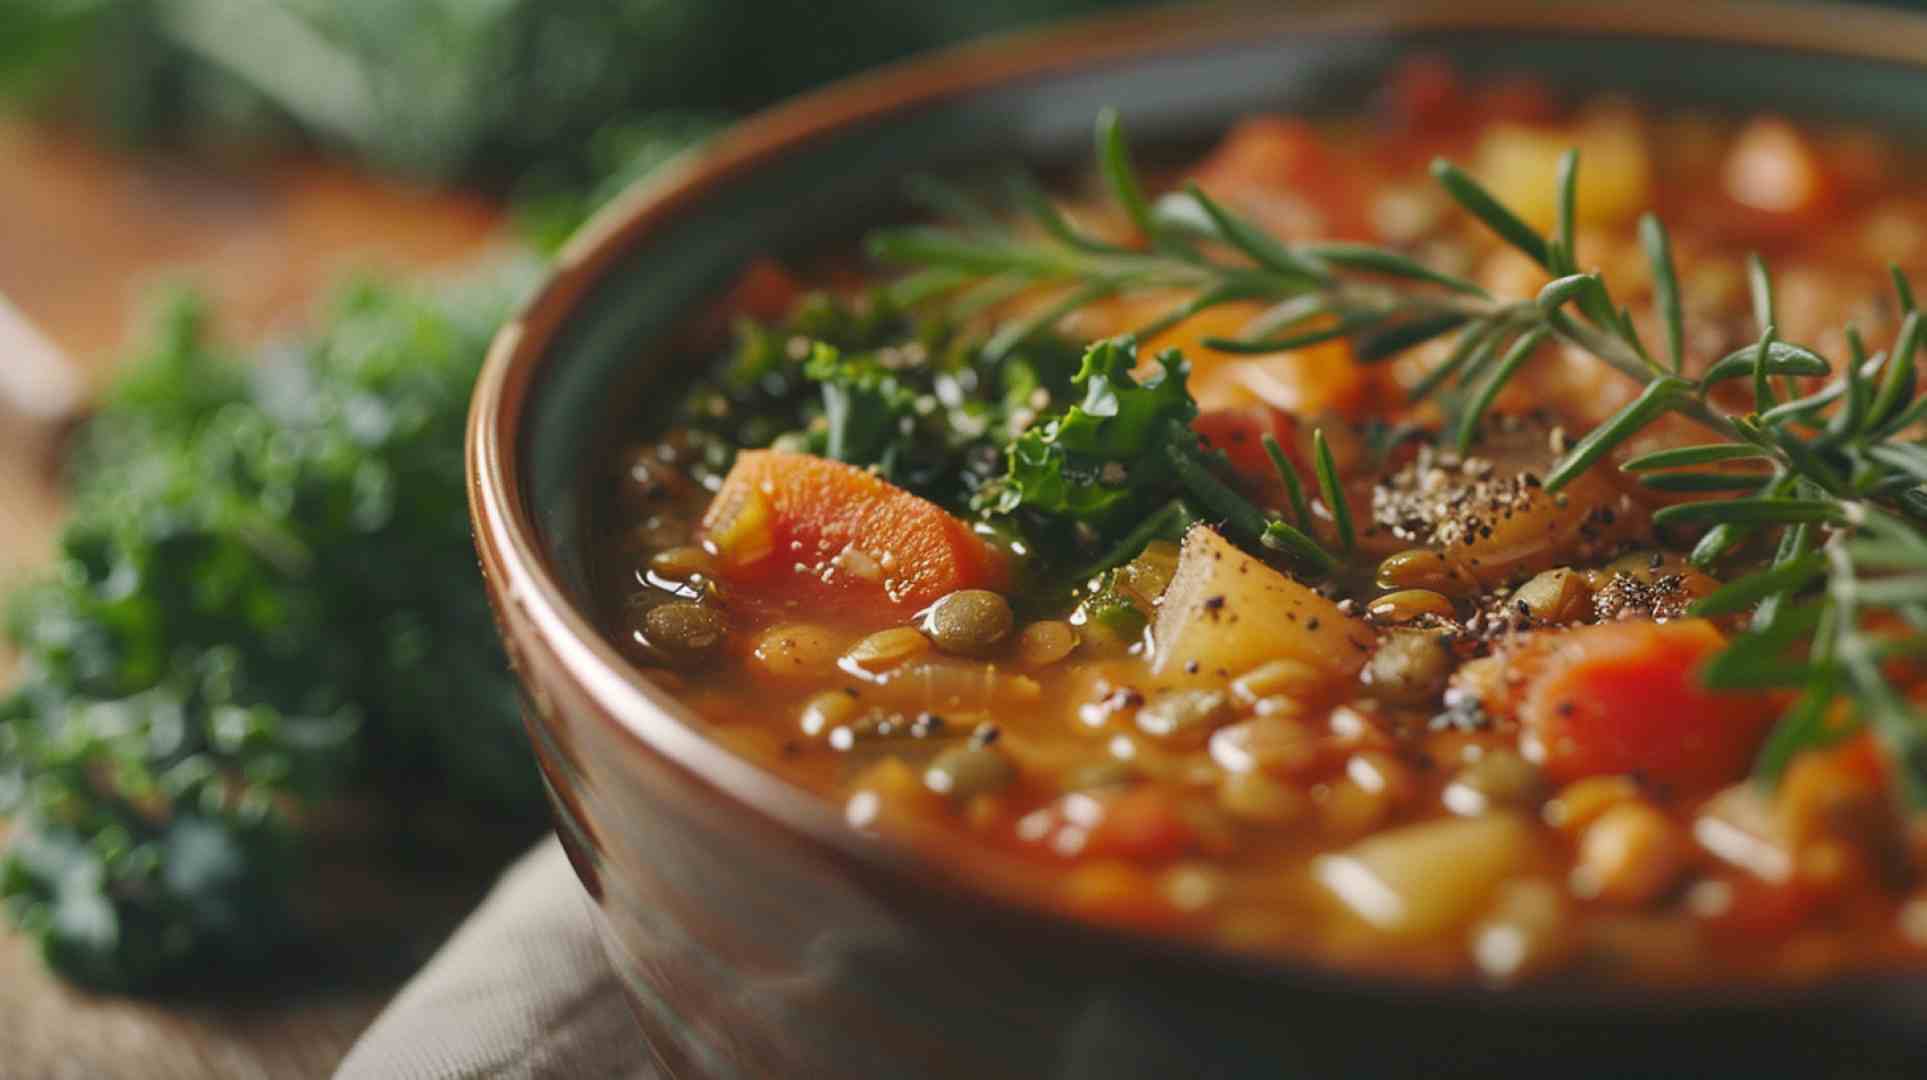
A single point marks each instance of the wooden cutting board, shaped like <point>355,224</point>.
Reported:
<point>85,234</point>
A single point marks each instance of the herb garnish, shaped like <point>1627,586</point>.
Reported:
<point>1840,491</point>
<point>1126,449</point>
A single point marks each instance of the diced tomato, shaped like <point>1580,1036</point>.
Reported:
<point>1625,698</point>
<point>1240,433</point>
<point>1759,909</point>
<point>1426,94</point>
<point>1142,824</point>
<point>796,530</point>
<point>766,291</point>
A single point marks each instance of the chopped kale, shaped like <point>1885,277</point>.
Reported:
<point>869,415</point>
<point>266,598</point>
<point>1102,460</point>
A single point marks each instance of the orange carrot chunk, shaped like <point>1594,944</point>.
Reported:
<point>1625,698</point>
<point>796,531</point>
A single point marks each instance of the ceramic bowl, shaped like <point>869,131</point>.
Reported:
<point>758,935</point>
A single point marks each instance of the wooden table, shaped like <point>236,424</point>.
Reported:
<point>85,233</point>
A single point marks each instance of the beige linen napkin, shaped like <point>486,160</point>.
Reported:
<point>521,990</point>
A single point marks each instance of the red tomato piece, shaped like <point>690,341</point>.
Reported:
<point>1240,433</point>
<point>1426,94</point>
<point>766,291</point>
<point>1759,909</point>
<point>1144,825</point>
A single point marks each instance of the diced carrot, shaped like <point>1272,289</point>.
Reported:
<point>1189,336</point>
<point>1840,792</point>
<point>1279,170</point>
<point>1861,757</point>
<point>1625,698</point>
<point>796,530</point>
<point>1266,150</point>
<point>1316,379</point>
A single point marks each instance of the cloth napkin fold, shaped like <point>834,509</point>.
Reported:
<point>521,990</point>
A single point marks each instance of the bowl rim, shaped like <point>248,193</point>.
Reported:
<point>524,586</point>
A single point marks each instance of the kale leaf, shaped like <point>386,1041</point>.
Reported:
<point>265,600</point>
<point>1092,485</point>
<point>1102,460</point>
<point>869,415</point>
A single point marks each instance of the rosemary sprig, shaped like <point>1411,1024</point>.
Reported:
<point>1334,494</point>
<point>1833,478</point>
<point>1294,490</point>
<point>1384,300</point>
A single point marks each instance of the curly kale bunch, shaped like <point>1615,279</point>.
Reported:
<point>266,599</point>
<point>858,379</point>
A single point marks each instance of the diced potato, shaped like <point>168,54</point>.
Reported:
<point>1630,856</point>
<point>1532,532</point>
<point>1486,519</point>
<point>1521,166</point>
<point>1427,878</point>
<point>1226,612</point>
<point>1556,596</point>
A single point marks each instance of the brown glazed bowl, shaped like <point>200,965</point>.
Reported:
<point>758,935</point>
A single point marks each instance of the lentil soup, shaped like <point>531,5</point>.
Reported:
<point>1458,575</point>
